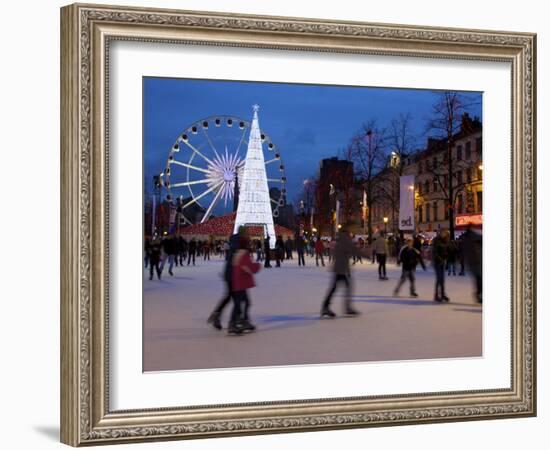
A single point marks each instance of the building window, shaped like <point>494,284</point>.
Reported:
<point>478,147</point>
<point>469,175</point>
<point>427,186</point>
<point>420,214</point>
<point>459,177</point>
<point>435,211</point>
<point>479,195</point>
<point>468,150</point>
<point>427,212</point>
<point>435,185</point>
<point>446,180</point>
<point>459,152</point>
<point>446,213</point>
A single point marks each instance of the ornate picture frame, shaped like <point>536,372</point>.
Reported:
<point>86,34</point>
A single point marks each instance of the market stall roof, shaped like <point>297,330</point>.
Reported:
<point>223,226</point>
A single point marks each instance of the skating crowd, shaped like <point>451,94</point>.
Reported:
<point>244,257</point>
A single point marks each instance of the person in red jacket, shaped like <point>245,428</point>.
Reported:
<point>243,270</point>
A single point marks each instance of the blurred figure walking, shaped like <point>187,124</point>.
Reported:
<point>440,245</point>
<point>192,251</point>
<point>381,249</point>
<point>215,317</point>
<point>343,251</point>
<point>472,248</point>
<point>300,249</point>
<point>154,261</point>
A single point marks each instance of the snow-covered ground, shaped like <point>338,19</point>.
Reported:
<point>285,308</point>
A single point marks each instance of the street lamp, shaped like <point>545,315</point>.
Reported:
<point>385,224</point>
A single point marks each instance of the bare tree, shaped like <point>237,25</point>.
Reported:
<point>446,124</point>
<point>402,144</point>
<point>367,152</point>
<point>402,141</point>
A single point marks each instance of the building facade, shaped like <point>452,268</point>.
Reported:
<point>434,169</point>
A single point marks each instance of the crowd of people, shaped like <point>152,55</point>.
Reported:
<point>244,257</point>
<point>174,250</point>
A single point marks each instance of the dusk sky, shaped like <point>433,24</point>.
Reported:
<point>306,122</point>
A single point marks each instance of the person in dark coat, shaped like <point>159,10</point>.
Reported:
<point>452,254</point>
<point>267,251</point>
<point>440,245</point>
<point>460,255</point>
<point>258,245</point>
<point>300,248</point>
<point>408,257</point>
<point>215,317</point>
<point>191,251</point>
<point>343,251</point>
<point>154,261</point>
<point>417,243</point>
<point>182,249</point>
<point>170,249</point>
<point>147,251</point>
<point>279,250</point>
<point>288,248</point>
<point>472,245</point>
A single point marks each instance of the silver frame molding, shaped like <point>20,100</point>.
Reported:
<point>86,32</point>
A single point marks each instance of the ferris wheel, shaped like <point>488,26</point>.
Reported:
<point>206,163</point>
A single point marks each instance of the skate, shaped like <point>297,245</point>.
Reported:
<point>327,314</point>
<point>214,320</point>
<point>234,329</point>
<point>350,312</point>
<point>247,327</point>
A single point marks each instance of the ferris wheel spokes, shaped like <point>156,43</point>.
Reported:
<point>272,161</point>
<point>189,166</point>
<point>210,142</point>
<point>188,183</point>
<point>212,205</point>
<point>186,142</point>
<point>197,198</point>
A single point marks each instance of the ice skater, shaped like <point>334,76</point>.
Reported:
<point>440,245</point>
<point>381,249</point>
<point>154,261</point>
<point>408,257</point>
<point>319,250</point>
<point>343,251</point>
<point>215,317</point>
<point>242,279</point>
<point>472,243</point>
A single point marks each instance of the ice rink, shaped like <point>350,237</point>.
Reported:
<point>285,309</point>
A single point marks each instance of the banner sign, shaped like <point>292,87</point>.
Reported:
<point>406,203</point>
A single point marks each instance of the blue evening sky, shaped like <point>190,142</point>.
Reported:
<point>306,122</point>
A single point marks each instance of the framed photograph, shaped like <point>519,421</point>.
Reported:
<point>278,224</point>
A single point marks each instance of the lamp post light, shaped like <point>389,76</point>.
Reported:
<point>385,225</point>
